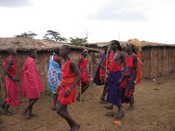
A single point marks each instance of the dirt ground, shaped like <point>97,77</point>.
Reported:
<point>154,111</point>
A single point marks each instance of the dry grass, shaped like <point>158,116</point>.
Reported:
<point>155,106</point>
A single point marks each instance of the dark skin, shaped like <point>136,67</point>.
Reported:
<point>115,49</point>
<point>83,54</point>
<point>84,85</point>
<point>131,106</point>
<point>74,69</point>
<point>5,106</point>
<point>131,53</point>
<point>29,109</point>
<point>120,60</point>
<point>101,64</point>
<point>56,95</point>
<point>62,109</point>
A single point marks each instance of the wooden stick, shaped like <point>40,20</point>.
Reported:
<point>80,90</point>
<point>106,68</point>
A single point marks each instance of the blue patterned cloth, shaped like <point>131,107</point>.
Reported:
<point>54,75</point>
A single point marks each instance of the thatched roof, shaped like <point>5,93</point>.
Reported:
<point>155,44</point>
<point>26,44</point>
<point>103,44</point>
<point>123,43</point>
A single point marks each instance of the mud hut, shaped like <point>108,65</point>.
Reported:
<point>158,58</point>
<point>44,50</point>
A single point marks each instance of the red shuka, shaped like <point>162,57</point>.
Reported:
<point>67,80</point>
<point>32,83</point>
<point>129,61</point>
<point>139,69</point>
<point>109,59</point>
<point>11,86</point>
<point>103,71</point>
<point>112,65</point>
<point>83,69</point>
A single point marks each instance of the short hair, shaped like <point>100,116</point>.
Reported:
<point>32,51</point>
<point>11,50</point>
<point>105,48</point>
<point>133,47</point>
<point>116,44</point>
<point>66,47</point>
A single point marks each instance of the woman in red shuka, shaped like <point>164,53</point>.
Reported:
<point>68,87</point>
<point>129,87</point>
<point>32,83</point>
<point>83,67</point>
<point>12,90</point>
<point>139,66</point>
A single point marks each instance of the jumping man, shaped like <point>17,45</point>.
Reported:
<point>68,87</point>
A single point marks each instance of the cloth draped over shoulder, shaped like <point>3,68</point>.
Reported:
<point>13,93</point>
<point>100,73</point>
<point>54,75</point>
<point>32,83</point>
<point>139,69</point>
<point>67,80</point>
<point>83,66</point>
<point>113,81</point>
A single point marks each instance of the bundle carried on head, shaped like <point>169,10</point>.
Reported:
<point>135,42</point>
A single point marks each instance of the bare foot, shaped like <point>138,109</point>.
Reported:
<point>109,107</point>
<point>102,102</point>
<point>25,113</point>
<point>34,115</point>
<point>110,114</point>
<point>75,128</point>
<point>8,113</point>
<point>53,108</point>
<point>130,108</point>
<point>30,116</point>
<point>119,115</point>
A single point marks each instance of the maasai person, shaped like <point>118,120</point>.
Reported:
<point>125,74</point>
<point>114,49</point>
<point>100,75</point>
<point>104,71</point>
<point>68,87</point>
<point>103,65</point>
<point>1,98</point>
<point>131,63</point>
<point>32,83</point>
<point>114,79</point>
<point>54,76</point>
<point>139,66</point>
<point>11,82</point>
<point>83,67</point>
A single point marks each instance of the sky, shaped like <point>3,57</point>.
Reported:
<point>100,20</point>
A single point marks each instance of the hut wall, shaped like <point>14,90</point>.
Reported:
<point>42,64</point>
<point>158,61</point>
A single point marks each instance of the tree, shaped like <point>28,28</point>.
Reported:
<point>78,41</point>
<point>55,36</point>
<point>27,35</point>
